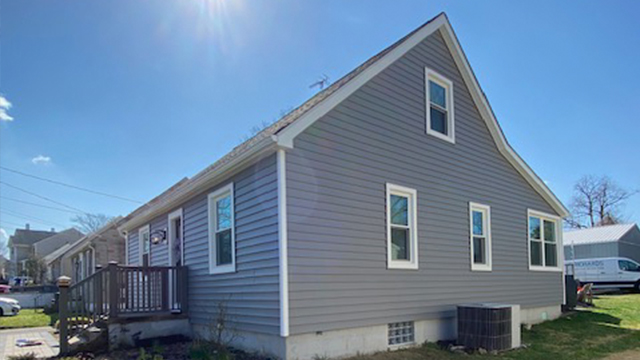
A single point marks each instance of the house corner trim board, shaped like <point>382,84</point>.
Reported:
<point>282,242</point>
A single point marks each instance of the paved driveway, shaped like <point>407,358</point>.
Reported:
<point>48,348</point>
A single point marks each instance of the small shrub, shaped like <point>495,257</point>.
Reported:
<point>157,348</point>
<point>208,350</point>
<point>149,356</point>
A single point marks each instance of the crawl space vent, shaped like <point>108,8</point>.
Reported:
<point>401,333</point>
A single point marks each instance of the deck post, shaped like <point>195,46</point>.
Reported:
<point>113,289</point>
<point>184,289</point>
<point>165,288</point>
<point>63,312</point>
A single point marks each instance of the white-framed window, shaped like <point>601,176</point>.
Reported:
<point>439,101</point>
<point>222,244</point>
<point>127,242</point>
<point>543,233</point>
<point>144,249</point>
<point>480,236</point>
<point>402,227</point>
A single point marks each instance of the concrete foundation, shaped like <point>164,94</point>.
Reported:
<point>128,333</point>
<point>537,315</point>
<point>273,345</point>
<point>369,339</point>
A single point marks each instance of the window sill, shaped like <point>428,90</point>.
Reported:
<point>486,268</point>
<point>544,268</point>
<point>441,136</point>
<point>224,269</point>
<point>402,266</point>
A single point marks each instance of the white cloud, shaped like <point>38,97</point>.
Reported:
<point>3,234</point>
<point>41,159</point>
<point>5,105</point>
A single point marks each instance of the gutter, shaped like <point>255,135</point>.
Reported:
<point>199,183</point>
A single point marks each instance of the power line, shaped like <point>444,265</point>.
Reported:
<point>71,186</point>
<point>41,197</point>
<point>10,223</point>
<point>39,205</point>
<point>31,218</point>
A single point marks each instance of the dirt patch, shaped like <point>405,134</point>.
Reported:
<point>625,355</point>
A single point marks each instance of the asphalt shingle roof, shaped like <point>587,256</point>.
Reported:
<point>29,237</point>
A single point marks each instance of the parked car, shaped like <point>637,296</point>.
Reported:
<point>608,273</point>
<point>5,289</point>
<point>9,307</point>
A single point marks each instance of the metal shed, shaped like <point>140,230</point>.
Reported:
<point>621,240</point>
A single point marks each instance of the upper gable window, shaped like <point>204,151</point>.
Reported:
<point>439,100</point>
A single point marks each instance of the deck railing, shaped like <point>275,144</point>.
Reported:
<point>119,292</point>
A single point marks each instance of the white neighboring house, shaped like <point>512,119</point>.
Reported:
<point>621,240</point>
<point>80,258</point>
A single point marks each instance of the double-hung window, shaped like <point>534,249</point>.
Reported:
<point>222,249</point>
<point>402,229</point>
<point>439,100</point>
<point>543,241</point>
<point>480,236</point>
<point>144,241</point>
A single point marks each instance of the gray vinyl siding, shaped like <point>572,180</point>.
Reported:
<point>629,245</point>
<point>588,251</point>
<point>159,252</point>
<point>336,176</point>
<point>251,294</point>
<point>133,247</point>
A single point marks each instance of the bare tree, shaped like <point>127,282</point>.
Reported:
<point>36,268</point>
<point>596,202</point>
<point>90,223</point>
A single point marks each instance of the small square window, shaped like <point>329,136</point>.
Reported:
<point>439,100</point>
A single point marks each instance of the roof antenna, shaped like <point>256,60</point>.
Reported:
<point>321,83</point>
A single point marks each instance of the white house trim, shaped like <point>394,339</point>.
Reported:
<point>282,242</point>
<point>213,267</point>
<point>486,210</point>
<point>287,135</point>
<point>126,247</point>
<point>431,75</point>
<point>141,231</point>
<point>172,216</point>
<point>414,259</point>
<point>559,246</point>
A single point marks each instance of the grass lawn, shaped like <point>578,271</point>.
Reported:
<point>28,318</point>
<point>613,326</point>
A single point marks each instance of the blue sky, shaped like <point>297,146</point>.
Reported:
<point>127,97</point>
